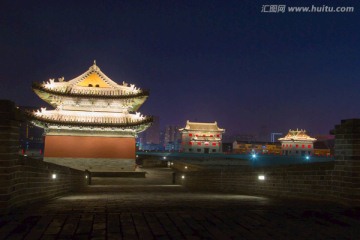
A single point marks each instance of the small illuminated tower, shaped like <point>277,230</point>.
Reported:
<point>94,123</point>
<point>297,143</point>
<point>200,137</point>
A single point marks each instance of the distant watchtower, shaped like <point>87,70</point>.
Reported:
<point>94,123</point>
<point>297,143</point>
<point>201,137</point>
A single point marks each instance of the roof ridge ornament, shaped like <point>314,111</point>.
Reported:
<point>94,66</point>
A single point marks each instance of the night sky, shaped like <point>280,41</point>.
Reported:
<point>201,60</point>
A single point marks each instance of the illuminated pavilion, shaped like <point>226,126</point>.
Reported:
<point>94,123</point>
<point>297,143</point>
<point>198,137</point>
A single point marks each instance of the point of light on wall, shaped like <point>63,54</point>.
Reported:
<point>164,157</point>
<point>253,155</point>
<point>186,167</point>
<point>261,177</point>
<point>54,176</point>
<point>86,176</point>
<point>183,177</point>
<point>307,157</point>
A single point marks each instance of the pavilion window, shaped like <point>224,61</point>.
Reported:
<point>90,85</point>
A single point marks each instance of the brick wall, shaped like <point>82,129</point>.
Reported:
<point>25,180</point>
<point>30,180</point>
<point>301,181</point>
<point>346,175</point>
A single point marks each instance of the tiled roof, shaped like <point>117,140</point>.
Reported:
<point>52,118</point>
<point>199,126</point>
<point>297,135</point>
<point>92,83</point>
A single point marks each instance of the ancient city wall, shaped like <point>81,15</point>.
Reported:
<point>301,181</point>
<point>333,181</point>
<point>26,180</point>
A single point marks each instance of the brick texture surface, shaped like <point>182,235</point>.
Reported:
<point>300,181</point>
<point>26,180</point>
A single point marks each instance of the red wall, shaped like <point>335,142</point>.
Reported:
<point>89,147</point>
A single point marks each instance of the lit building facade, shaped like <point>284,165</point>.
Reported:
<point>297,143</point>
<point>244,147</point>
<point>94,123</point>
<point>321,149</point>
<point>199,137</point>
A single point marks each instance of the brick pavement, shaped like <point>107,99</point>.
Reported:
<point>152,208</point>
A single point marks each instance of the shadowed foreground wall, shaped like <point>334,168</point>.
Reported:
<point>25,180</point>
<point>30,180</point>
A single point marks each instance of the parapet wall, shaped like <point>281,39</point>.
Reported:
<point>31,180</point>
<point>346,175</point>
<point>311,181</point>
<point>26,180</point>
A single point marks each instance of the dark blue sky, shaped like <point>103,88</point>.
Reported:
<point>201,60</point>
